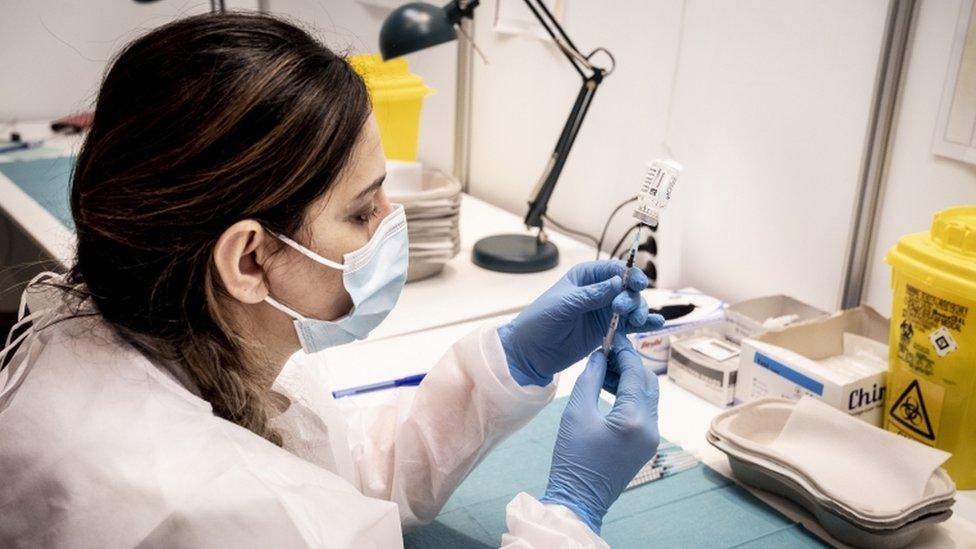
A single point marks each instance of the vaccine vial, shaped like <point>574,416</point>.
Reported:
<point>655,191</point>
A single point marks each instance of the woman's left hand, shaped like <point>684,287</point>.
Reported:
<point>569,320</point>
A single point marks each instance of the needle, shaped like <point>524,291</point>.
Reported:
<point>615,319</point>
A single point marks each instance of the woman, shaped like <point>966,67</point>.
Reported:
<point>229,209</point>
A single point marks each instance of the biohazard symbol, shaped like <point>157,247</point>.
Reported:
<point>906,331</point>
<point>909,410</point>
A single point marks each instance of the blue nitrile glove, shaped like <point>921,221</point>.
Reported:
<point>596,456</point>
<point>570,319</point>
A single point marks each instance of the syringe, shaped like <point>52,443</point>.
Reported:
<point>615,318</point>
<point>654,195</point>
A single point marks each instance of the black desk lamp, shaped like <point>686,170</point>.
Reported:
<point>417,26</point>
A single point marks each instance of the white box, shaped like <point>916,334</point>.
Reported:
<point>754,316</point>
<point>655,347</point>
<point>714,377</point>
<point>840,359</point>
<point>705,364</point>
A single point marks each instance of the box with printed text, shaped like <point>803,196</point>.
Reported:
<point>841,359</point>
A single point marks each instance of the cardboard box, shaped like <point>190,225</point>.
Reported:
<point>705,363</point>
<point>840,359</point>
<point>655,347</point>
<point>754,316</point>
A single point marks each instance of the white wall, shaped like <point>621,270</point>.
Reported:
<point>768,115</point>
<point>770,119</point>
<point>919,184</point>
<point>53,52</point>
<point>764,101</point>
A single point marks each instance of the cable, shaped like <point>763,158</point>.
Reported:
<point>674,79</point>
<point>603,235</point>
<point>568,230</point>
<point>624,239</point>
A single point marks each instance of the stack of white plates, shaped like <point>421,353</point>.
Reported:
<point>745,434</point>
<point>432,220</point>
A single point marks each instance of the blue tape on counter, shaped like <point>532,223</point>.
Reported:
<point>46,180</point>
<point>783,370</point>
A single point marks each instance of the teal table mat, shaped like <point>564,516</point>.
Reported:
<point>696,508</point>
<point>46,180</point>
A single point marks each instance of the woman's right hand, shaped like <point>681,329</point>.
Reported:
<point>596,456</point>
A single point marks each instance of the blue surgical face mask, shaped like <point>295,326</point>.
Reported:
<point>372,275</point>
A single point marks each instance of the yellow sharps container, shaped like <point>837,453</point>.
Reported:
<point>397,96</point>
<point>931,394</point>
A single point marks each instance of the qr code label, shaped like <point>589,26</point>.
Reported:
<point>942,341</point>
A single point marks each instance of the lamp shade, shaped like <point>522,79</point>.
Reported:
<point>413,27</point>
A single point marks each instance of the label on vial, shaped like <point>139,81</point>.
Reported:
<point>653,182</point>
<point>655,191</point>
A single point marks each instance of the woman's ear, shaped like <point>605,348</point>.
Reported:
<point>240,257</point>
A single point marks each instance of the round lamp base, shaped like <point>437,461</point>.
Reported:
<point>515,253</point>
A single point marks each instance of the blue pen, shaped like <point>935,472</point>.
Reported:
<point>21,146</point>
<point>409,381</point>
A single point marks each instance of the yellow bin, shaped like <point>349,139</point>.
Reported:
<point>931,394</point>
<point>397,96</point>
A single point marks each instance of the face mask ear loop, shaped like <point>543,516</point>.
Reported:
<point>22,310</point>
<point>309,253</point>
<point>284,308</point>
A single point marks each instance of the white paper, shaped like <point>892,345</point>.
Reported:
<point>955,133</point>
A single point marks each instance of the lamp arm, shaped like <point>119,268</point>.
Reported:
<point>592,77</point>
<point>562,40</point>
<point>539,201</point>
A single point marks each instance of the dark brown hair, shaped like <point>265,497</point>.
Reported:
<point>199,124</point>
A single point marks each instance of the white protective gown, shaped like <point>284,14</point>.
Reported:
<point>99,447</point>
